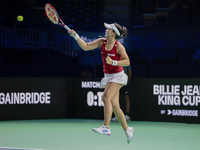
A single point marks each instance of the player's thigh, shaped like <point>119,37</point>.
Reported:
<point>111,90</point>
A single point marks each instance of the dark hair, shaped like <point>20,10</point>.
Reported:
<point>122,30</point>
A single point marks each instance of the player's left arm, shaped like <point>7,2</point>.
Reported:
<point>124,57</point>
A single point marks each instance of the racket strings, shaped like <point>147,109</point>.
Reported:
<point>52,15</point>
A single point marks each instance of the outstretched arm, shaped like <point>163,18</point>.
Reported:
<point>86,46</point>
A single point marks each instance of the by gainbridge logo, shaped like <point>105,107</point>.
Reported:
<point>180,112</point>
<point>25,98</point>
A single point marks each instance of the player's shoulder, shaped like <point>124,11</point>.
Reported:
<point>120,46</point>
<point>101,40</point>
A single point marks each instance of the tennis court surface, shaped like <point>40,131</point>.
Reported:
<point>77,134</point>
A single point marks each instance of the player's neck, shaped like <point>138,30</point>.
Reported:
<point>111,41</point>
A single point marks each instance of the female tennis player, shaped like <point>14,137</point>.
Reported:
<point>114,57</point>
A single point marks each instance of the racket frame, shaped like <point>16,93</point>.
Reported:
<point>61,22</point>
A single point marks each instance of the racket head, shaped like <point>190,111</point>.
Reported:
<point>51,13</point>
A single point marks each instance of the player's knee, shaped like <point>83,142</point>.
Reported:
<point>115,107</point>
<point>105,99</point>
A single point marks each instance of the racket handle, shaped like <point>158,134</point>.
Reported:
<point>67,28</point>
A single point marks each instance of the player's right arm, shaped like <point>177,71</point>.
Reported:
<point>87,46</point>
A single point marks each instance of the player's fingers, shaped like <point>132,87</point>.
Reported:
<point>107,63</point>
<point>108,57</point>
<point>108,60</point>
<point>72,32</point>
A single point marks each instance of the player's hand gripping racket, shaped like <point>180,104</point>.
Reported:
<point>54,17</point>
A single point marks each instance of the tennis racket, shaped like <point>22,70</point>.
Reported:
<point>54,17</point>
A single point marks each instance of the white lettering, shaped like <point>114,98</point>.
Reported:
<point>155,90</point>
<point>90,84</point>
<point>196,90</point>
<point>191,90</point>
<point>94,100</point>
<point>16,98</point>
<point>7,98</point>
<point>47,101</point>
<point>191,100</point>
<point>28,98</point>
<point>22,98</point>
<point>169,100</point>
<point>179,112</point>
<point>25,98</point>
<point>2,100</point>
<point>166,89</point>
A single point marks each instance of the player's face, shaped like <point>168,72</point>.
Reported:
<point>108,32</point>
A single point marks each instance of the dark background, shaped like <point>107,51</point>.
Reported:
<point>163,36</point>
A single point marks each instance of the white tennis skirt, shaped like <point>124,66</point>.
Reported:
<point>120,78</point>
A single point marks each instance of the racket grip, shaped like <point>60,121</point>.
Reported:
<point>67,28</point>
